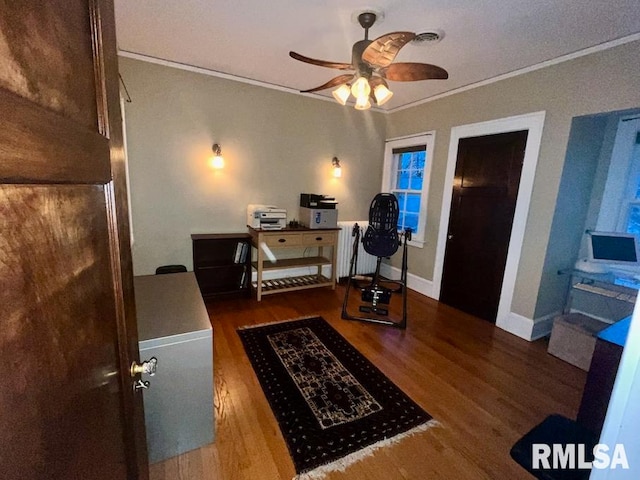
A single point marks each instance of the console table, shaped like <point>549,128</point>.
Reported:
<point>269,242</point>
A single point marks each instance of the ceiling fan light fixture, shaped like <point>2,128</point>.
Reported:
<point>382,94</point>
<point>363,103</point>
<point>341,94</point>
<point>361,88</point>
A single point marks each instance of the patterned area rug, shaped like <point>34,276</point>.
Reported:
<point>333,406</point>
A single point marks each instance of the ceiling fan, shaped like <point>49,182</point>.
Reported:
<point>371,61</point>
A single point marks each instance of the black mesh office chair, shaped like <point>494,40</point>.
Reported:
<point>382,240</point>
<point>170,269</point>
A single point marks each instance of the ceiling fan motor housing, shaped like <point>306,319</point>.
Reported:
<point>363,69</point>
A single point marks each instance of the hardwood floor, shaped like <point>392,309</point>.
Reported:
<point>484,386</point>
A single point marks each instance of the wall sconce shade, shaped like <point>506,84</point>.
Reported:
<point>217,161</point>
<point>337,169</point>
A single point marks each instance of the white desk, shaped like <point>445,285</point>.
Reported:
<point>174,327</point>
<point>606,296</point>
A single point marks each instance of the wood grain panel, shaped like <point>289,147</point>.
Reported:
<point>52,64</point>
<point>47,147</point>
<point>65,262</point>
<point>485,386</point>
<point>54,303</point>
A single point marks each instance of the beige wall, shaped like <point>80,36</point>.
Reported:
<point>276,145</point>
<point>604,81</point>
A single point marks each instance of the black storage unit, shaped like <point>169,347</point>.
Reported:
<point>222,263</point>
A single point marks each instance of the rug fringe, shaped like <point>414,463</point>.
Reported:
<point>276,322</point>
<point>341,464</point>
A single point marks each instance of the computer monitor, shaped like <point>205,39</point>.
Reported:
<point>614,248</point>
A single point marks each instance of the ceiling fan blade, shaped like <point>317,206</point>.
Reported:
<point>382,51</point>
<point>409,72</point>
<point>321,63</point>
<point>334,82</point>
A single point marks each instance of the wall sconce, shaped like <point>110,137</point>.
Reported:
<point>337,169</point>
<point>217,161</point>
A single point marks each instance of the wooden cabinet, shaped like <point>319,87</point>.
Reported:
<point>222,263</point>
<point>322,245</point>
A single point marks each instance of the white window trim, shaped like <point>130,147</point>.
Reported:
<point>428,139</point>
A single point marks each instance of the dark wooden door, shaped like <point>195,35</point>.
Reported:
<point>67,321</point>
<point>483,203</point>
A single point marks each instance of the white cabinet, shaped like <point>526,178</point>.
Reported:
<point>174,327</point>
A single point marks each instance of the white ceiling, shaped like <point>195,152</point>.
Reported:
<point>483,39</point>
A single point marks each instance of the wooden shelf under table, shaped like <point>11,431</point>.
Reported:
<point>301,282</point>
<point>292,263</point>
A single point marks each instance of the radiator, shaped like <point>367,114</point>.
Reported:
<point>366,262</point>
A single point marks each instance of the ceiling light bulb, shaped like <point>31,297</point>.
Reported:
<point>360,88</point>
<point>341,94</point>
<point>363,103</point>
<point>382,94</point>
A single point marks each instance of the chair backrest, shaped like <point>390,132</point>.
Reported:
<point>381,238</point>
<point>170,269</point>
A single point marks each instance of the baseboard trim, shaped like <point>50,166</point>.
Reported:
<point>542,326</point>
<point>517,325</point>
<point>414,282</point>
<point>527,328</point>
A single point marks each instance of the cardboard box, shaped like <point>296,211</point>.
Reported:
<point>573,338</point>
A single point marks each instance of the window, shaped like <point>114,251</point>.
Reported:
<point>630,208</point>
<point>620,206</point>
<point>407,167</point>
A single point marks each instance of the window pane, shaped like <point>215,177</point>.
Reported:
<point>413,203</point>
<point>401,200</point>
<point>411,220</point>
<point>418,160</point>
<point>633,221</point>
<point>416,180</point>
<point>405,161</point>
<point>402,181</point>
<point>400,221</point>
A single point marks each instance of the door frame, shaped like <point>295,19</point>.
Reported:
<point>533,122</point>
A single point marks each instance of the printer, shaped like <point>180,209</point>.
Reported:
<point>266,217</point>
<point>318,211</point>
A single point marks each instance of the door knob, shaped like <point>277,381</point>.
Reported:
<point>449,237</point>
<point>149,367</point>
